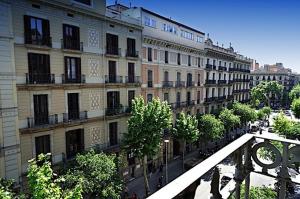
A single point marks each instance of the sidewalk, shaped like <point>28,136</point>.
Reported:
<point>174,170</point>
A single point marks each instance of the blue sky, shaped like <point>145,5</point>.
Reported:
<point>265,30</point>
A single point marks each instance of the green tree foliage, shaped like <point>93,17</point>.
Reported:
<point>260,115</point>
<point>257,193</point>
<point>6,189</point>
<point>42,183</point>
<point>145,130</point>
<point>295,93</point>
<point>210,127</point>
<point>264,90</point>
<point>296,107</point>
<point>282,124</point>
<point>98,174</point>
<point>245,112</point>
<point>186,130</point>
<point>266,110</point>
<point>229,119</point>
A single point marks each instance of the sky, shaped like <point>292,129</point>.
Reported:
<point>265,30</point>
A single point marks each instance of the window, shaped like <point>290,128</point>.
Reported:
<point>166,97</point>
<point>131,48</point>
<point>42,145</point>
<point>73,106</point>
<point>199,62</point>
<point>166,76</point>
<point>72,70</point>
<point>40,103</point>
<point>178,96</point>
<point>36,31</point>
<point>39,69</point>
<point>112,71</point>
<point>85,2</point>
<point>112,44</point>
<point>214,62</point>
<point>149,54</point>
<point>220,76</point>
<point>166,57</point>
<point>199,39</point>
<point>113,133</point>
<point>131,73</point>
<point>71,37</point>
<point>189,79</point>
<point>213,92</point>
<point>213,76</point>
<point>113,99</point>
<point>220,63</point>
<point>189,60</point>
<point>178,58</point>
<point>198,97</point>
<point>187,35</point>
<point>169,28</point>
<point>178,76</point>
<point>199,80</point>
<point>74,142</point>
<point>149,22</point>
<point>131,95</point>
<point>150,78</point>
<point>149,97</point>
<point>207,61</point>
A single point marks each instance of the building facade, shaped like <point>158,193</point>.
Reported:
<point>71,70</point>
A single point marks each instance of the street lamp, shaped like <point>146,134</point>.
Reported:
<point>166,143</point>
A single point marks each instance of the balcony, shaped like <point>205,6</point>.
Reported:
<point>236,91</point>
<point>118,110</point>
<point>113,79</point>
<point>246,150</point>
<point>180,84</point>
<point>167,84</point>
<point>132,54</point>
<point>40,78</point>
<point>113,51</point>
<point>210,82</point>
<point>133,80</point>
<point>209,99</point>
<point>40,43</point>
<point>78,80</point>
<point>230,97</point>
<point>222,68</point>
<point>71,44</point>
<point>230,69</point>
<point>42,121</point>
<point>190,103</point>
<point>190,84</point>
<point>222,82</point>
<point>209,66</point>
<point>231,81</point>
<point>73,116</point>
<point>221,98</point>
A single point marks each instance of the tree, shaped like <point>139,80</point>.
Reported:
<point>260,115</point>
<point>6,189</point>
<point>145,130</point>
<point>282,124</point>
<point>296,107</point>
<point>229,119</point>
<point>267,111</point>
<point>245,112</point>
<point>263,92</point>
<point>257,193</point>
<point>98,174</point>
<point>186,130</point>
<point>210,127</point>
<point>42,182</point>
<point>295,92</point>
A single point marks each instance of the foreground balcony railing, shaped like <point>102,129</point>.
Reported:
<point>245,150</point>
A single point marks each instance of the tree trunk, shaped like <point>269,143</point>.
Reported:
<point>183,155</point>
<point>147,188</point>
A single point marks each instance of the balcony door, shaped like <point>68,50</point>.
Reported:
<point>131,47</point>
<point>39,68</point>
<point>189,79</point>
<point>166,76</point>
<point>178,76</point>
<point>112,44</point>
<point>42,145</point>
<point>113,99</point>
<point>71,37</point>
<point>113,133</point>
<point>74,142</point>
<point>72,69</point>
<point>73,106</point>
<point>150,78</point>
<point>112,71</point>
<point>131,73</point>
<point>188,97</point>
<point>41,109</point>
<point>178,98</point>
<point>36,31</point>
<point>131,95</point>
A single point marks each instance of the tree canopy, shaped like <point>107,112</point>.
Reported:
<point>257,193</point>
<point>145,130</point>
<point>245,112</point>
<point>210,127</point>
<point>264,90</point>
<point>295,92</point>
<point>229,119</point>
<point>98,174</point>
<point>296,107</point>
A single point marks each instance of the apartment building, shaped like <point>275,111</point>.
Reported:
<point>71,69</point>
<point>227,77</point>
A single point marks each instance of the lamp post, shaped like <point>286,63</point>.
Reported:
<point>166,143</point>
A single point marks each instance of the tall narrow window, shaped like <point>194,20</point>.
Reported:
<point>178,59</point>
<point>131,73</point>
<point>149,97</point>
<point>37,31</point>
<point>73,106</point>
<point>72,70</point>
<point>131,52</point>
<point>166,76</point>
<point>71,37</point>
<point>166,57</point>
<point>166,97</point>
<point>149,54</point>
<point>39,69</point>
<point>42,145</point>
<point>74,142</point>
<point>131,95</point>
<point>113,99</point>
<point>41,115</point>
<point>112,72</point>
<point>112,44</point>
<point>113,133</point>
<point>150,78</point>
<point>189,60</point>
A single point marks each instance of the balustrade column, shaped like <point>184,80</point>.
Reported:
<point>238,174</point>
<point>284,174</point>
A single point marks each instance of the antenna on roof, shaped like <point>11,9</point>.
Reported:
<point>230,44</point>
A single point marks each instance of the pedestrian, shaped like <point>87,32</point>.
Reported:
<point>160,180</point>
<point>134,196</point>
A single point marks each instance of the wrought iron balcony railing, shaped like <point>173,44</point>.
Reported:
<point>179,84</point>
<point>117,110</point>
<point>42,120</point>
<point>74,116</point>
<point>167,84</point>
<point>245,149</point>
<point>114,51</point>
<point>40,78</point>
<point>77,80</point>
<point>113,79</point>
<point>133,79</point>
<point>130,53</point>
<point>210,81</point>
<point>71,44</point>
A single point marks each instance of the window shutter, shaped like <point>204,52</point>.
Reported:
<point>46,33</point>
<point>27,29</point>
